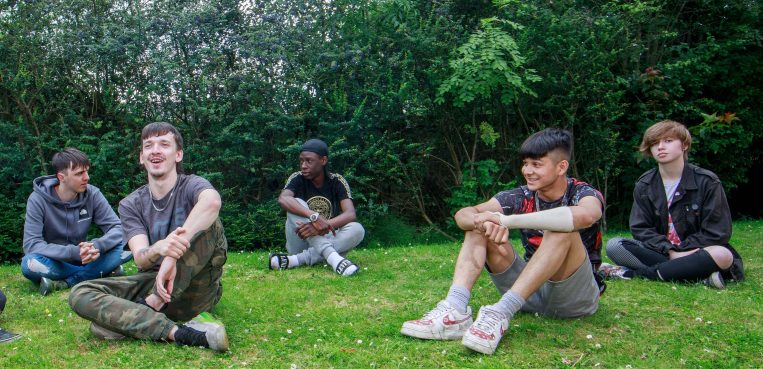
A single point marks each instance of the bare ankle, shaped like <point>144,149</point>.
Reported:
<point>154,302</point>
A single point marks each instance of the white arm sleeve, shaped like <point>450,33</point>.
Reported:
<point>555,220</point>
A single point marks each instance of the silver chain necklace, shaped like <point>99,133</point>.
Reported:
<point>169,199</point>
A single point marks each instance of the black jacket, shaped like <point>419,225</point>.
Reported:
<point>699,209</point>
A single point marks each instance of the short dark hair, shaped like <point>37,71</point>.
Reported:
<point>540,143</point>
<point>160,129</point>
<point>69,158</point>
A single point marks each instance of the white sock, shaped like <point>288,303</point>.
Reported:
<point>293,262</point>
<point>334,259</point>
<point>458,297</point>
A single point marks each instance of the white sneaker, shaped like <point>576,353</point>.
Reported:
<point>486,332</point>
<point>715,280</point>
<point>443,322</point>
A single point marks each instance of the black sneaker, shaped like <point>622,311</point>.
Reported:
<point>209,335</point>
<point>48,285</point>
<point>278,261</point>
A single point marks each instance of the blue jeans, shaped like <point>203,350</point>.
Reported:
<point>36,266</point>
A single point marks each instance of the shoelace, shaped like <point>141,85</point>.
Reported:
<point>488,320</point>
<point>438,310</point>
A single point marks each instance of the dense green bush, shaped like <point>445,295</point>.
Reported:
<point>423,103</point>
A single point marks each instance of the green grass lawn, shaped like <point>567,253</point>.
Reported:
<point>311,318</point>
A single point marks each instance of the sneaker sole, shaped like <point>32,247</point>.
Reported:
<point>475,345</point>
<point>409,331</point>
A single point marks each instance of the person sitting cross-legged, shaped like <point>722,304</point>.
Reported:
<point>680,219</point>
<point>173,228</point>
<point>59,212</point>
<point>320,215</point>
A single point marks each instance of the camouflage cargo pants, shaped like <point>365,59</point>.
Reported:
<point>109,302</point>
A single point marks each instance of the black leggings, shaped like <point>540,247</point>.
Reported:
<point>650,264</point>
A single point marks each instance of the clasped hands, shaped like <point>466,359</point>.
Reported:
<point>489,223</point>
<point>88,252</point>
<point>320,227</point>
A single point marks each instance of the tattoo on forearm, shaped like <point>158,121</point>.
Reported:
<point>144,253</point>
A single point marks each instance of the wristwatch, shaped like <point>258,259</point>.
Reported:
<point>314,217</point>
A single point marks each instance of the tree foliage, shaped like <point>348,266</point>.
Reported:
<point>423,103</point>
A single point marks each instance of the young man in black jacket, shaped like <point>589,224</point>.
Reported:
<point>680,219</point>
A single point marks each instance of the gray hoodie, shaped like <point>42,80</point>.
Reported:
<point>54,228</point>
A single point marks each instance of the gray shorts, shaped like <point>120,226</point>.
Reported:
<point>573,297</point>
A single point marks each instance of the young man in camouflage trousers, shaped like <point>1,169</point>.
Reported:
<point>173,230</point>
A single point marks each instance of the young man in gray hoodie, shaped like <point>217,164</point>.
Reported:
<point>57,253</point>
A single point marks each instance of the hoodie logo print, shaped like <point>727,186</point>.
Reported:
<point>83,215</point>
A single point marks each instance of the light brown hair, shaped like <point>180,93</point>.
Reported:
<point>660,130</point>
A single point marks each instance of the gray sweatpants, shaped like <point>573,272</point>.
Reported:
<point>310,251</point>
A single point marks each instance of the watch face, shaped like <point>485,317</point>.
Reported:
<point>314,217</point>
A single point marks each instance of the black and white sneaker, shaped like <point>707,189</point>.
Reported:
<point>207,335</point>
<point>715,280</point>
<point>278,261</point>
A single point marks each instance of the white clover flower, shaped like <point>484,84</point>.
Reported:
<point>590,337</point>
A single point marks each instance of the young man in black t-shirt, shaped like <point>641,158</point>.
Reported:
<point>558,218</point>
<point>320,221</point>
